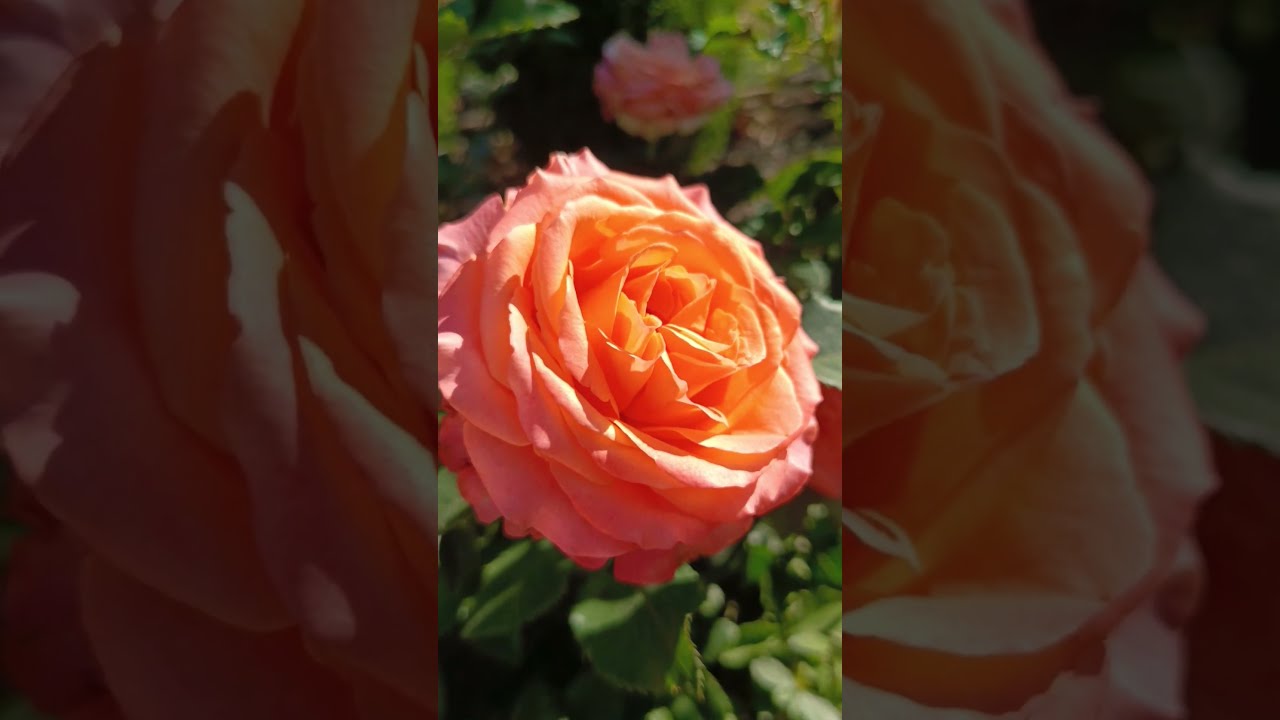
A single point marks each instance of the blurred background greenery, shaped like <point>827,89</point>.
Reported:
<point>516,86</point>
<point>752,632</point>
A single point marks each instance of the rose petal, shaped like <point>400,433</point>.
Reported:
<point>138,633</point>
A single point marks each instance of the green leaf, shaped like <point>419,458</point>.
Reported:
<point>18,709</point>
<point>759,558</point>
<point>687,671</point>
<point>758,630</point>
<point>465,9</point>
<point>723,635</point>
<point>831,567</point>
<point>741,656</point>
<point>536,702</point>
<point>694,685</point>
<point>811,645</point>
<point>821,523</point>
<point>822,321</point>
<point>1237,387</point>
<point>514,17</point>
<point>684,707</point>
<point>589,695</point>
<point>809,277</point>
<point>718,702</point>
<point>823,234</point>
<point>442,695</point>
<point>819,619</point>
<point>773,677</point>
<point>452,34</point>
<point>447,603</point>
<point>1215,229</point>
<point>523,582</point>
<point>687,15</point>
<point>460,559</point>
<point>781,185</point>
<point>712,141</point>
<point>830,679</point>
<point>632,634</point>
<point>732,52</point>
<point>834,111</point>
<point>447,96</point>
<point>798,569</point>
<point>805,705</point>
<point>713,602</point>
<point>507,649</point>
<point>449,502</point>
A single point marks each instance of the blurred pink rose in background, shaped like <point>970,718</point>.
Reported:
<point>658,88</point>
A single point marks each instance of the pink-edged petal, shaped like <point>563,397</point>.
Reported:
<point>648,567</point>
<point>630,512</point>
<point>785,476</point>
<point>579,164</point>
<point>524,491</point>
<point>474,492</point>
<point>459,242</point>
<point>465,381</point>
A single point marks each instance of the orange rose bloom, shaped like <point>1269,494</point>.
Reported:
<point>1020,458</point>
<point>658,88</point>
<point>625,375</point>
<point>218,379</point>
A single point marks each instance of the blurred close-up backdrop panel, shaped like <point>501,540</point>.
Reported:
<point>1060,326</point>
<point>217,377</point>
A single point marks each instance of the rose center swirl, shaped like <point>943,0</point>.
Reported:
<point>668,323</point>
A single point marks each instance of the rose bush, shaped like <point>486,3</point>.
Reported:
<point>1020,458</point>
<point>623,372</point>
<point>218,376</point>
<point>658,88</point>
